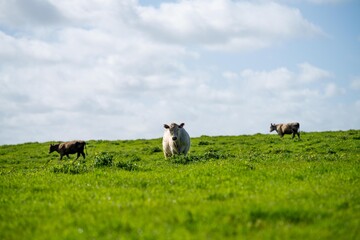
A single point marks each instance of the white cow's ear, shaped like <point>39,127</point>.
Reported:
<point>166,126</point>
<point>181,125</point>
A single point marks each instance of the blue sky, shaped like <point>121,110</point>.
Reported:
<point>114,69</point>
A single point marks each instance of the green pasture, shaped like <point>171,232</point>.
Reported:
<point>228,187</point>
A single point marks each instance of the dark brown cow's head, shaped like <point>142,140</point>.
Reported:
<point>54,147</point>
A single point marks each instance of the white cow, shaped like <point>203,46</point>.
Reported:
<point>175,140</point>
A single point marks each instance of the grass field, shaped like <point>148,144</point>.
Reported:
<point>228,187</point>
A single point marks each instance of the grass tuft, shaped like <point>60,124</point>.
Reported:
<point>103,159</point>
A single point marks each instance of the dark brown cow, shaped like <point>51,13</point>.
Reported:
<point>67,148</point>
<point>286,128</point>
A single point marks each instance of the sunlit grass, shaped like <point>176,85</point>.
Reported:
<point>230,187</point>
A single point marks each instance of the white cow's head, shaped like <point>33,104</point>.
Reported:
<point>174,130</point>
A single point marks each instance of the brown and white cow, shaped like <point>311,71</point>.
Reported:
<point>66,148</point>
<point>286,128</point>
<point>175,140</point>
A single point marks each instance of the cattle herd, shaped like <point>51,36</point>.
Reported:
<point>175,140</point>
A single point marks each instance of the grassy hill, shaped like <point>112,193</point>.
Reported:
<point>228,187</point>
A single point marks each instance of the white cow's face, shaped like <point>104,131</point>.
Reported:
<point>174,130</point>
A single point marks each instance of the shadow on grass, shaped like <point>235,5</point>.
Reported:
<point>211,154</point>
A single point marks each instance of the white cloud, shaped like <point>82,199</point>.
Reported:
<point>311,73</point>
<point>16,13</point>
<point>355,83</point>
<point>357,104</point>
<point>278,79</point>
<point>230,75</point>
<point>225,25</point>
<point>327,1</point>
<point>316,2</point>
<point>332,89</point>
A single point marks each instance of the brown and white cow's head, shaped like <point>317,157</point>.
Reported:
<point>174,130</point>
<point>272,127</point>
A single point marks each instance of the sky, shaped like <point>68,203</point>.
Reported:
<point>120,69</point>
